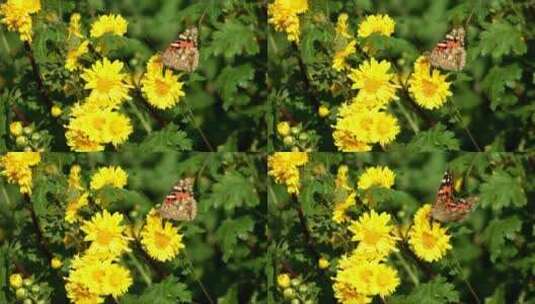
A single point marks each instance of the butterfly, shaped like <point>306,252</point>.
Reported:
<point>449,54</point>
<point>180,204</point>
<point>183,54</point>
<point>448,208</point>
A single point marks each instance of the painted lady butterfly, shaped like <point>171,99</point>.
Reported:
<point>449,54</point>
<point>180,204</point>
<point>183,54</point>
<point>448,208</point>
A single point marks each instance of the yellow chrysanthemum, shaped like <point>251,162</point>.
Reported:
<point>106,82</point>
<point>71,212</point>
<point>74,26</point>
<point>369,278</point>
<point>283,166</point>
<point>17,168</point>
<point>161,87</point>
<point>341,178</point>
<point>374,234</point>
<point>346,294</point>
<point>429,241</point>
<point>117,279</point>
<point>77,293</point>
<point>160,239</point>
<point>109,176</point>
<point>105,232</point>
<point>341,26</point>
<point>376,176</point>
<point>428,87</point>
<point>381,24</point>
<point>72,63</point>
<point>90,127</point>
<point>339,59</point>
<point>374,82</point>
<point>16,15</point>
<point>346,142</point>
<point>385,128</point>
<point>340,208</point>
<point>114,24</point>
<point>283,14</point>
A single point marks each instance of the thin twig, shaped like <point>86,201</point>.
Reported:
<point>37,74</point>
<point>306,80</point>
<point>309,242</point>
<point>198,128</point>
<point>457,115</point>
<point>201,285</point>
<point>41,241</point>
<point>470,288</point>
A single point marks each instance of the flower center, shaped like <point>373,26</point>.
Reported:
<point>161,240</point>
<point>104,85</point>
<point>161,87</point>
<point>104,237</point>
<point>429,88</point>
<point>428,240</point>
<point>371,237</point>
<point>372,85</point>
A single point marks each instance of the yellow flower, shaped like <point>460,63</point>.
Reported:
<point>339,60</point>
<point>106,82</point>
<point>340,208</point>
<point>74,26</point>
<point>56,111</point>
<point>283,128</point>
<point>323,111</point>
<point>56,263</point>
<point>112,176</point>
<point>374,83</point>
<point>323,263</point>
<point>72,63</point>
<point>385,128</point>
<point>347,294</point>
<point>15,280</point>
<point>341,178</point>
<point>381,24</point>
<point>71,212</point>
<point>105,233</point>
<point>15,128</point>
<point>429,241</point>
<point>347,142</point>
<point>17,168</point>
<point>17,16</point>
<point>79,294</point>
<point>114,24</point>
<point>160,239</point>
<point>283,280</point>
<point>428,87</point>
<point>283,14</point>
<point>162,88</point>
<point>341,26</point>
<point>374,234</point>
<point>283,166</point>
<point>377,176</point>
<point>369,278</point>
<point>117,279</point>
<point>90,127</point>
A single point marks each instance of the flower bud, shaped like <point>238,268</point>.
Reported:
<point>56,263</point>
<point>15,128</point>
<point>15,280</point>
<point>21,293</point>
<point>323,111</point>
<point>283,128</point>
<point>288,140</point>
<point>296,282</point>
<point>28,282</point>
<point>288,293</point>
<point>323,263</point>
<point>283,280</point>
<point>56,111</point>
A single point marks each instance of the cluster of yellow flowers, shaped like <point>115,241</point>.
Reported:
<point>283,14</point>
<point>364,273</point>
<point>347,44</point>
<point>428,87</point>
<point>97,273</point>
<point>428,240</point>
<point>17,168</point>
<point>373,176</point>
<point>16,15</point>
<point>161,87</point>
<point>283,166</point>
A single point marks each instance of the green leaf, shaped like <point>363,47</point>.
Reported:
<point>168,139</point>
<point>497,80</point>
<point>230,231</point>
<point>109,195</point>
<point>307,46</point>
<point>437,291</point>
<point>233,190</point>
<point>233,38</point>
<point>502,190</point>
<point>502,38</point>
<point>228,82</point>
<point>497,232</point>
<point>437,138</point>
<point>168,291</point>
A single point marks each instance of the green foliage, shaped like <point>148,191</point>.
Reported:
<point>502,38</point>
<point>437,138</point>
<point>497,80</point>
<point>496,234</point>
<point>437,291</point>
<point>169,291</point>
<point>502,190</point>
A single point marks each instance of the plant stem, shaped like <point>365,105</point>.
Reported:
<point>37,74</point>
<point>304,226</point>
<point>201,285</point>
<point>199,130</point>
<point>144,123</point>
<point>306,80</point>
<point>142,271</point>
<point>405,265</point>
<point>41,241</point>
<point>459,119</point>
<point>413,124</point>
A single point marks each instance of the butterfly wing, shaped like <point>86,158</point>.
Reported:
<point>183,54</point>
<point>444,198</point>
<point>180,204</point>
<point>450,54</point>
